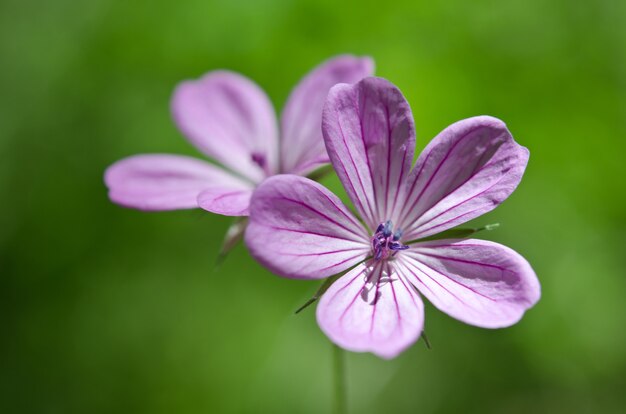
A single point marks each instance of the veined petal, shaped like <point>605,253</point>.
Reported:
<point>163,181</point>
<point>225,200</point>
<point>299,229</point>
<point>301,146</point>
<point>475,281</point>
<point>467,170</point>
<point>370,137</point>
<point>372,309</point>
<point>229,118</point>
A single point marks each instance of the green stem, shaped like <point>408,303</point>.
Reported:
<point>339,373</point>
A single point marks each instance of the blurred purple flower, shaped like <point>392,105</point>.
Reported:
<point>299,229</point>
<point>230,119</point>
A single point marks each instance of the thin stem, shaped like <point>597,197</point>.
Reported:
<point>325,285</point>
<point>339,373</point>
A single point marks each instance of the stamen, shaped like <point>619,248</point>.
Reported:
<point>397,235</point>
<point>397,246</point>
<point>386,243</point>
<point>387,228</point>
<point>379,253</point>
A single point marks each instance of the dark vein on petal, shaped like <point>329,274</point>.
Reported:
<point>319,254</point>
<point>388,161</point>
<point>398,189</point>
<point>375,301</point>
<point>454,259</point>
<point>412,235</point>
<point>462,202</point>
<point>437,282</point>
<point>356,195</point>
<point>348,284</point>
<point>439,165</point>
<point>356,171</point>
<point>313,233</point>
<point>339,209</point>
<point>300,203</point>
<point>456,281</point>
<point>342,262</point>
<point>395,299</point>
<point>374,213</point>
<point>224,195</point>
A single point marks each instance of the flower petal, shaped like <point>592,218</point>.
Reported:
<point>372,309</point>
<point>467,170</point>
<point>227,201</point>
<point>164,182</point>
<point>302,147</point>
<point>299,229</point>
<point>475,281</point>
<point>370,137</point>
<point>229,118</point>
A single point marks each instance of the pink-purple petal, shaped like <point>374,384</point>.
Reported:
<point>302,146</point>
<point>479,282</point>
<point>157,182</point>
<point>370,137</point>
<point>372,309</point>
<point>299,229</point>
<point>467,170</point>
<point>230,119</point>
<point>227,201</point>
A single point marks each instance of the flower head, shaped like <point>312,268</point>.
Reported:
<point>299,229</point>
<point>231,120</point>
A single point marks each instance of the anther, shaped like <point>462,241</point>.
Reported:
<point>387,228</point>
<point>397,235</point>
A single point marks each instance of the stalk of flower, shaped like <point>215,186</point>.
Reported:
<point>299,229</point>
<point>231,120</point>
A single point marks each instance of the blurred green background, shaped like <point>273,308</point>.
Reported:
<point>109,310</point>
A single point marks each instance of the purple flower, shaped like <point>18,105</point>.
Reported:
<point>299,229</point>
<point>230,119</point>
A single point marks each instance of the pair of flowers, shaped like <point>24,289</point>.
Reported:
<point>299,229</point>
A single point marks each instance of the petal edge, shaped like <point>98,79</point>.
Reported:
<point>159,182</point>
<point>302,146</point>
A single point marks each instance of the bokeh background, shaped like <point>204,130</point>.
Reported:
<point>109,310</point>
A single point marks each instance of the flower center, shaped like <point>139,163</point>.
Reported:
<point>386,243</point>
<point>261,160</point>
